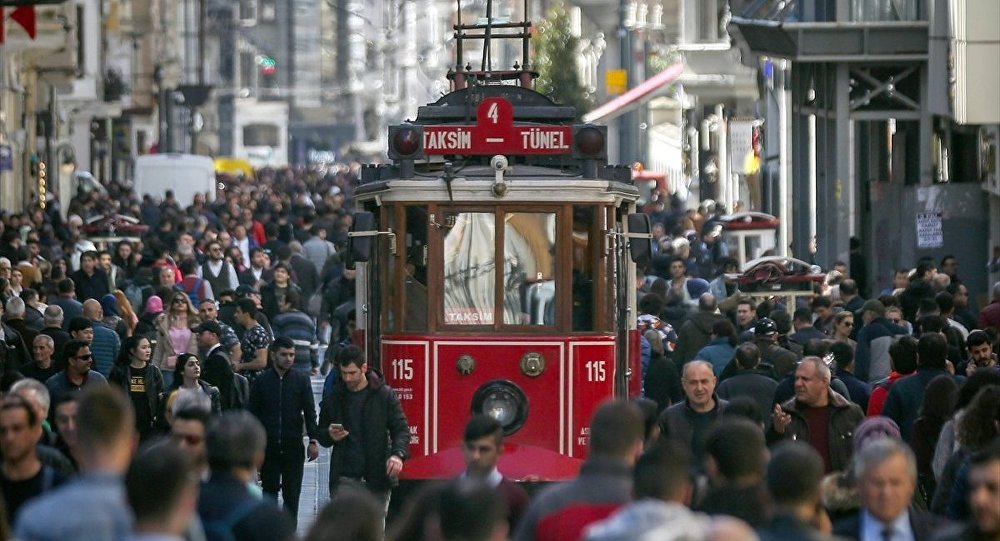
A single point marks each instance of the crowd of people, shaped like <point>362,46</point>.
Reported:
<point>848,413</point>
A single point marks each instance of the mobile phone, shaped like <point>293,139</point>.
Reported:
<point>338,426</point>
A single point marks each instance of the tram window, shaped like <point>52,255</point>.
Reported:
<point>583,268</point>
<point>529,268</point>
<point>392,322</point>
<point>415,270</point>
<point>469,264</point>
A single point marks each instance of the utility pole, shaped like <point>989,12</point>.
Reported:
<point>626,121</point>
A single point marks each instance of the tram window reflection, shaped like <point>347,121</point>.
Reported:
<point>529,268</point>
<point>583,269</point>
<point>469,264</point>
<point>415,269</point>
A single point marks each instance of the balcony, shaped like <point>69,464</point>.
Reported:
<point>871,30</point>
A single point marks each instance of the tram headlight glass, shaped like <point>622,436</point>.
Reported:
<point>503,401</point>
<point>406,141</point>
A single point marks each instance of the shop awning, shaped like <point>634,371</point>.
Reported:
<point>636,96</point>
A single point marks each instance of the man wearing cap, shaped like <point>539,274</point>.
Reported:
<point>781,360</point>
<point>871,361</point>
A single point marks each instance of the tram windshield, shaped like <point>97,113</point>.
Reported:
<point>528,269</point>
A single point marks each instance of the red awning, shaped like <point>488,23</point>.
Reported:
<point>635,97</point>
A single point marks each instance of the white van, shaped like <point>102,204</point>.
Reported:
<point>185,174</point>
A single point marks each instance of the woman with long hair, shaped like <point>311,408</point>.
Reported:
<point>187,375</point>
<point>126,312</point>
<point>173,333</point>
<point>938,407</point>
<point>142,381</point>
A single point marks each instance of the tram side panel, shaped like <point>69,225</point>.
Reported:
<point>441,381</point>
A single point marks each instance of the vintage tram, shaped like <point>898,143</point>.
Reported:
<point>496,262</point>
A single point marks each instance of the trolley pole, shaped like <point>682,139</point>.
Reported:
<point>626,121</point>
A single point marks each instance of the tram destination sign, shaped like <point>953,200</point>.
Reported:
<point>495,133</point>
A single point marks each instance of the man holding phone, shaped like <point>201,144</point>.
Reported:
<point>363,421</point>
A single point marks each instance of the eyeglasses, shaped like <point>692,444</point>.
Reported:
<point>86,357</point>
<point>179,301</point>
<point>848,323</point>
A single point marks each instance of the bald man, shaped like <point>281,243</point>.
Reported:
<point>106,343</point>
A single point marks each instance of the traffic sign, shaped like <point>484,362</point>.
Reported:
<point>495,133</point>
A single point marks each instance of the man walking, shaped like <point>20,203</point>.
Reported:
<point>93,507</point>
<point>282,399</point>
<point>363,421</point>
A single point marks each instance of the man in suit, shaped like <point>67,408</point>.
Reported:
<point>886,473</point>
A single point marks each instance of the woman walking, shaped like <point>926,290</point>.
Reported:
<point>174,335</point>
<point>142,381</point>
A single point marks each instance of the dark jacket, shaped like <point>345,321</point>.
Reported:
<point>94,286</point>
<point>218,371</point>
<point>844,417</point>
<point>678,422</point>
<point>283,403</point>
<point>906,396</point>
<point>788,528</point>
<point>662,383</point>
<point>154,386</point>
<point>386,431</point>
<point>694,334</point>
<point>923,524</point>
<point>223,495</point>
<point>269,298</point>
<point>753,384</point>
<point>781,360</point>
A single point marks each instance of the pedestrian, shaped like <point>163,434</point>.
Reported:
<point>843,358</point>
<point>688,422</point>
<point>173,334</point>
<point>482,447</point>
<point>93,507</point>
<point>472,511</point>
<point>735,463</point>
<point>817,415</point>
<point>720,348</point>
<point>871,358</point>
<point>161,487</point>
<point>905,397</point>
<point>300,328</point>
<point>282,399</point>
<point>793,478</point>
<point>234,390</point>
<point>984,499</point>
<point>43,367</point>
<point>23,475</point>
<point>363,421</point>
<point>354,515</point>
<point>696,332</point>
<point>142,382</point>
<point>256,340</point>
<point>749,380</point>
<point>227,507</point>
<point>187,375</point>
<point>77,374</point>
<point>886,476</point>
<point>562,512</point>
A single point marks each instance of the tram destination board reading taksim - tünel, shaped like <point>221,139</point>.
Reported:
<point>496,133</point>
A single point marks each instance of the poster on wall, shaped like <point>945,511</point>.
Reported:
<point>930,232</point>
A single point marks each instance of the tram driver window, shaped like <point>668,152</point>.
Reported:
<point>415,270</point>
<point>469,263</point>
<point>584,221</point>
<point>529,268</point>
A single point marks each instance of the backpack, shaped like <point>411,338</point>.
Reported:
<point>222,529</point>
<point>194,294</point>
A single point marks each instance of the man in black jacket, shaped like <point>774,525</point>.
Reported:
<point>282,399</point>
<point>363,421</point>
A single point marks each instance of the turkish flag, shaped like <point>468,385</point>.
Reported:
<point>25,16</point>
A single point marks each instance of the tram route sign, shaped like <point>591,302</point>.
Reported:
<point>495,133</point>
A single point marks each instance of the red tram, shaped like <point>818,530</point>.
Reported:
<point>496,271</point>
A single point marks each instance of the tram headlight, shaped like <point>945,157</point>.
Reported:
<point>503,401</point>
